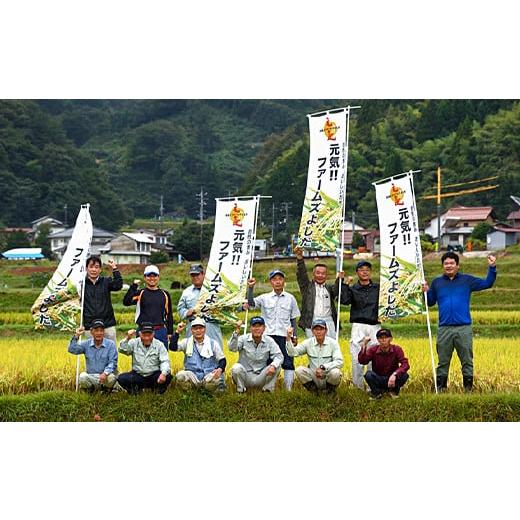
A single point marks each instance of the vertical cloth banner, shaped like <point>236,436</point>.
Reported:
<point>323,207</point>
<point>232,250</point>
<point>59,306</point>
<point>400,292</point>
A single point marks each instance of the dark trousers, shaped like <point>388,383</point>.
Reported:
<point>379,384</point>
<point>288,361</point>
<point>133,382</point>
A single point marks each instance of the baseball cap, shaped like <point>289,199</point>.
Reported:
<point>146,326</point>
<point>363,263</point>
<point>151,269</point>
<point>274,272</point>
<point>198,321</point>
<point>319,323</point>
<point>257,320</point>
<point>97,324</point>
<point>196,269</point>
<point>383,332</point>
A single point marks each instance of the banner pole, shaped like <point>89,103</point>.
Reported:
<point>428,324</point>
<point>341,227</point>
<point>81,312</point>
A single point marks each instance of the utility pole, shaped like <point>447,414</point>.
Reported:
<point>286,206</point>
<point>272,228</point>
<point>202,202</point>
<point>353,231</point>
<point>65,210</point>
<point>438,209</point>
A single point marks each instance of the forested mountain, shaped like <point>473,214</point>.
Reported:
<point>122,155</point>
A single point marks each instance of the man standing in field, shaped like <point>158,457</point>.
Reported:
<point>279,310</point>
<point>100,357</point>
<point>325,359</point>
<point>150,362</point>
<point>389,365</point>
<point>363,298</point>
<point>204,361</point>
<point>452,292</point>
<point>154,305</point>
<point>97,300</point>
<point>259,358</point>
<point>317,296</point>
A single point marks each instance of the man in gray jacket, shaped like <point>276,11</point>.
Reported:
<point>317,295</point>
<point>325,359</point>
<point>259,358</point>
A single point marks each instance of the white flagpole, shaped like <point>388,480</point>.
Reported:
<point>81,315</point>
<point>411,172</point>
<point>257,197</point>
<point>341,227</point>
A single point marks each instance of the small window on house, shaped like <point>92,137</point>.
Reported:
<point>466,224</point>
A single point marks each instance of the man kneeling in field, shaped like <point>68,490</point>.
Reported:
<point>389,365</point>
<point>259,358</point>
<point>150,361</point>
<point>325,359</point>
<point>100,357</point>
<point>204,361</point>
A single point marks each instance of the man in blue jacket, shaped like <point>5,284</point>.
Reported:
<point>452,292</point>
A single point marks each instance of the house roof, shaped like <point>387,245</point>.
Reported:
<point>46,217</point>
<point>141,237</point>
<point>96,233</point>
<point>469,213</point>
<point>23,253</point>
<point>506,229</point>
<point>514,215</point>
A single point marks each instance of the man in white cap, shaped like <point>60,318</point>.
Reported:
<point>259,358</point>
<point>204,361</point>
<point>279,310</point>
<point>325,359</point>
<point>154,304</point>
<point>100,357</point>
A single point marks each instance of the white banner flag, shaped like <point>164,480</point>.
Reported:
<point>322,214</point>
<point>231,256</point>
<point>58,306</point>
<point>400,292</point>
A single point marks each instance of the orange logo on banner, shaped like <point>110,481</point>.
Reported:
<point>397,195</point>
<point>330,129</point>
<point>237,215</point>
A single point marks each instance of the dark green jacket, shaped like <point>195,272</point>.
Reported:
<point>308,292</point>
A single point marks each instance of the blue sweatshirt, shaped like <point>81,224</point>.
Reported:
<point>453,296</point>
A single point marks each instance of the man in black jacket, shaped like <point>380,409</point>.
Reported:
<point>317,295</point>
<point>363,298</point>
<point>97,299</point>
<point>154,305</point>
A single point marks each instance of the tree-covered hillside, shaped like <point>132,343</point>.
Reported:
<point>121,155</point>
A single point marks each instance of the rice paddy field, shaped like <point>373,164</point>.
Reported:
<point>37,373</point>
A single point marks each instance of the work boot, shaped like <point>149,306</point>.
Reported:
<point>442,383</point>
<point>467,382</point>
<point>330,389</point>
<point>311,387</point>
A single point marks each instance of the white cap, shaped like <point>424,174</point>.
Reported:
<point>151,269</point>
<point>198,321</point>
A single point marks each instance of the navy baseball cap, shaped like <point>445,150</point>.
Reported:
<point>363,263</point>
<point>274,272</point>
<point>96,324</point>
<point>384,332</point>
<point>196,269</point>
<point>257,320</point>
<point>319,323</point>
<point>146,327</point>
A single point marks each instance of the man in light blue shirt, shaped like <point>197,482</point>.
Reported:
<point>100,357</point>
<point>279,310</point>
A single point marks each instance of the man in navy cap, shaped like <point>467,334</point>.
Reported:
<point>389,365</point>
<point>100,357</point>
<point>363,298</point>
<point>325,359</point>
<point>279,310</point>
<point>259,358</point>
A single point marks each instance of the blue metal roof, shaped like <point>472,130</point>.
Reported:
<point>22,256</point>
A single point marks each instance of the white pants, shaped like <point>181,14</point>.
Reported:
<point>87,381</point>
<point>331,329</point>
<point>188,379</point>
<point>306,375</point>
<point>359,331</point>
<point>245,380</point>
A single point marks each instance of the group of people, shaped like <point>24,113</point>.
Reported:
<point>272,343</point>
